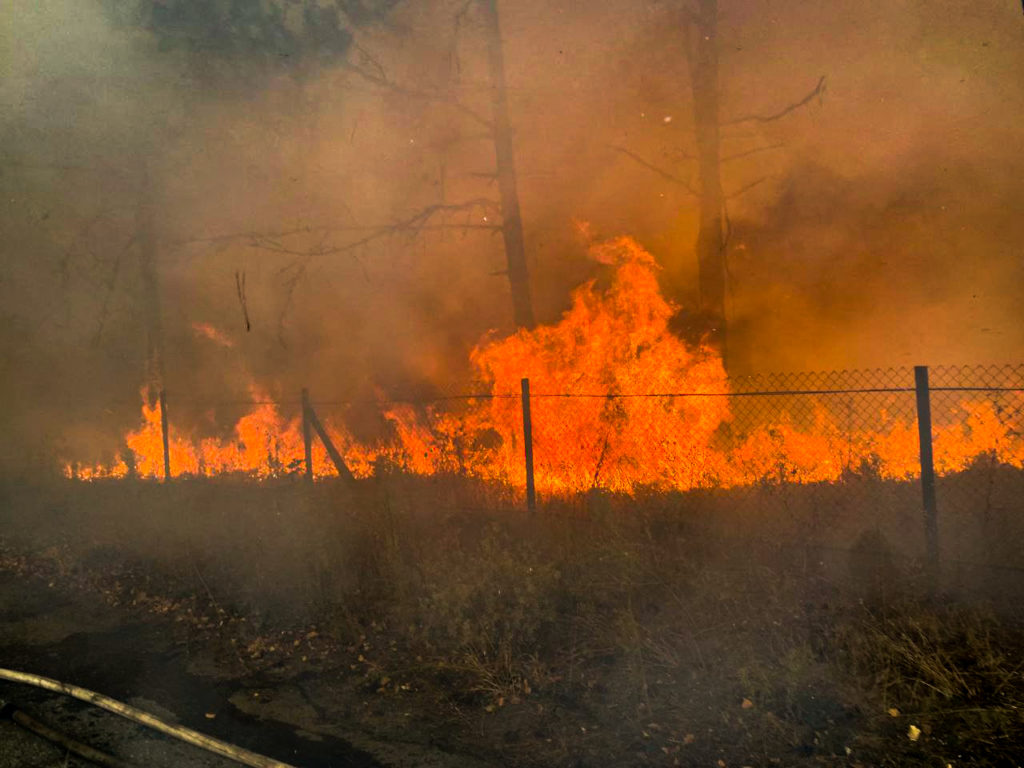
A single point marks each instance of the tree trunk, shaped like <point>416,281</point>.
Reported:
<point>145,233</point>
<point>703,57</point>
<point>504,150</point>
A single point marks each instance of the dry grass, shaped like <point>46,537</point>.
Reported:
<point>661,631</point>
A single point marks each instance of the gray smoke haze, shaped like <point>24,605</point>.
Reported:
<point>883,228</point>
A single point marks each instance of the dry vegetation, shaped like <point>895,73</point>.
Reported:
<point>600,632</point>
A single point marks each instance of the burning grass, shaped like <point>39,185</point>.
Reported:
<point>651,630</point>
<point>620,403</point>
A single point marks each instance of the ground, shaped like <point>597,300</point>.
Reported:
<point>78,637</point>
<point>390,630</point>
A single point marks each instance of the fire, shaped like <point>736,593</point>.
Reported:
<point>615,342</point>
<point>595,423</point>
<point>263,444</point>
<point>210,333</point>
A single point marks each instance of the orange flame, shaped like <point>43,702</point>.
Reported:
<point>207,331</point>
<point>590,427</point>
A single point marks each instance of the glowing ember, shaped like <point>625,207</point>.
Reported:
<point>208,332</point>
<point>590,429</point>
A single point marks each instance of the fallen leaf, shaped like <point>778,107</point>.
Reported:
<point>913,733</point>
<point>893,712</point>
<point>210,715</point>
<point>747,704</point>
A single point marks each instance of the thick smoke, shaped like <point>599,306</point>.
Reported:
<point>878,227</point>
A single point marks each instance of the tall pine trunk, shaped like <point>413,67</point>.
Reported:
<point>703,57</point>
<point>504,150</point>
<point>145,233</point>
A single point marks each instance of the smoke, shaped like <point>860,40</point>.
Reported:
<point>872,227</point>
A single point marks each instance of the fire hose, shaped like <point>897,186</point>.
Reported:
<point>196,739</point>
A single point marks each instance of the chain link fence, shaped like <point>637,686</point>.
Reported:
<point>817,459</point>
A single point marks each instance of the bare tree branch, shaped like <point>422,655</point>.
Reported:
<point>380,80</point>
<point>240,290</point>
<point>290,284</point>
<point>746,188</point>
<point>748,152</point>
<point>660,171</point>
<point>457,22</point>
<point>372,61</point>
<point>816,91</point>
<point>272,240</point>
<point>111,282</point>
<point>413,225</point>
<point>372,71</point>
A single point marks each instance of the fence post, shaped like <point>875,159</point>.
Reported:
<point>307,435</point>
<point>531,494</point>
<point>164,434</point>
<point>924,430</point>
<point>311,423</point>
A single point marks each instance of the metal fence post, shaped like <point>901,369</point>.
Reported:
<point>307,435</point>
<point>531,494</point>
<point>924,430</point>
<point>164,434</point>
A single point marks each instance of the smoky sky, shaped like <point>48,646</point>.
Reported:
<point>877,225</point>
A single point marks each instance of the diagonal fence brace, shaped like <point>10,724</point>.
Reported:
<point>311,423</point>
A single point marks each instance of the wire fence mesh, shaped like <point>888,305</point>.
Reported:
<point>753,430</point>
<point>979,454</point>
<point>821,455</point>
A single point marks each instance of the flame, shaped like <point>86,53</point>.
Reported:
<point>590,426</point>
<point>209,332</point>
<point>263,444</point>
<point>615,342</point>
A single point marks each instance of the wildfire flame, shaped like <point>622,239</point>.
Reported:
<point>211,333</point>
<point>591,426</point>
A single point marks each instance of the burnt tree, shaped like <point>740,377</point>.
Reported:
<point>146,247</point>
<point>240,43</point>
<point>701,44</point>
<point>236,44</point>
<point>700,29</point>
<point>497,130</point>
<point>504,151</point>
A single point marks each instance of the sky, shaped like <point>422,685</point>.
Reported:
<point>882,227</point>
